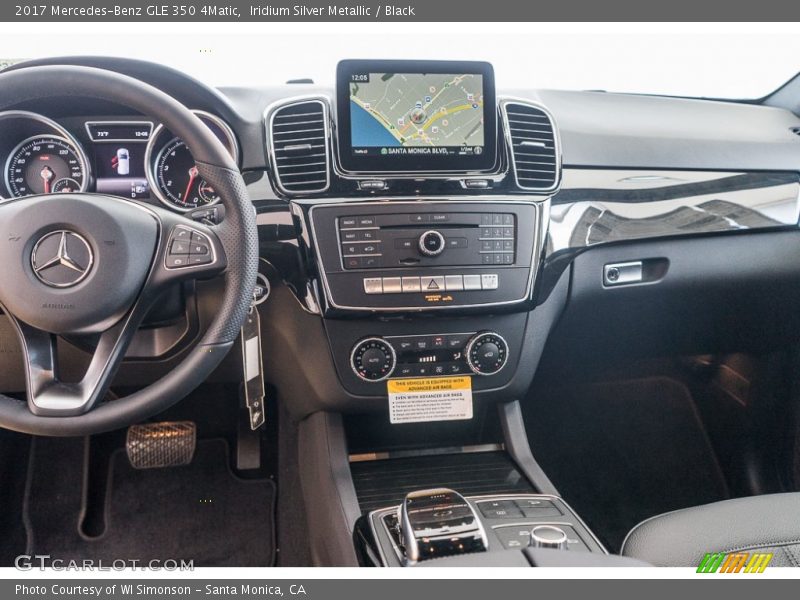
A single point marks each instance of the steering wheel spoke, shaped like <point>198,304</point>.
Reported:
<point>47,393</point>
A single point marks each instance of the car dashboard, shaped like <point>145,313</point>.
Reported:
<point>418,221</point>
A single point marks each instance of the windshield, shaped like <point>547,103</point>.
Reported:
<point>742,63</point>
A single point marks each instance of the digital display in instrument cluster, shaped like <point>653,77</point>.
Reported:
<point>119,150</point>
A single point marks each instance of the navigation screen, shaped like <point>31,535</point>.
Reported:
<point>402,113</point>
<point>416,116</point>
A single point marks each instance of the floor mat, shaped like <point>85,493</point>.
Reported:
<point>199,512</point>
<point>624,451</point>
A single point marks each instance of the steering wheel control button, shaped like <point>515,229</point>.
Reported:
<point>431,243</point>
<point>487,353</point>
<point>549,536</point>
<point>188,248</point>
<point>62,259</point>
<point>373,359</point>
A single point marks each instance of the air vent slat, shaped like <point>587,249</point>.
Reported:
<point>533,146</point>
<point>299,141</point>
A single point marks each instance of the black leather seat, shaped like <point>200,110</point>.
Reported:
<point>769,523</point>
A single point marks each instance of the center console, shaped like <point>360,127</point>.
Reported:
<point>439,523</point>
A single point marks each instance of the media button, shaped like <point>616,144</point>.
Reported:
<point>366,221</point>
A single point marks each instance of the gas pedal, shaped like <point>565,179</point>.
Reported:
<point>159,445</point>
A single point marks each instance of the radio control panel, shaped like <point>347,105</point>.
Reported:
<point>400,256</point>
<point>402,240</point>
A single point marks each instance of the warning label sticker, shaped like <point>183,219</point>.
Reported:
<point>430,399</point>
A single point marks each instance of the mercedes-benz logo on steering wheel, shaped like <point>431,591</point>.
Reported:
<point>62,258</point>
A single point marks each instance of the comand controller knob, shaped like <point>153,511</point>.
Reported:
<point>373,359</point>
<point>548,536</point>
<point>487,353</point>
<point>431,243</point>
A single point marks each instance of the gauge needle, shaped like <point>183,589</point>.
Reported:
<point>47,176</point>
<point>193,173</point>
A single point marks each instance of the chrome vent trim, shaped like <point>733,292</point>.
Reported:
<point>298,135</point>
<point>533,143</point>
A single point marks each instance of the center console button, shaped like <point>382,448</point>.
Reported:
<point>392,285</point>
<point>499,509</point>
<point>472,282</point>
<point>410,284</point>
<point>549,536</point>
<point>431,243</point>
<point>487,353</point>
<point>453,283</point>
<point>373,285</point>
<point>432,284</point>
<point>489,281</point>
<point>373,359</point>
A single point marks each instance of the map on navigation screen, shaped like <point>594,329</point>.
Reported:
<point>406,114</point>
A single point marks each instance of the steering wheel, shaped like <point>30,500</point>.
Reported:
<point>88,264</point>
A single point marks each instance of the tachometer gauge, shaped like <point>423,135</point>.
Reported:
<point>43,163</point>
<point>178,179</point>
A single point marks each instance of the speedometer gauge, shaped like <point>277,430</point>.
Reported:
<point>171,169</point>
<point>178,179</point>
<point>44,164</point>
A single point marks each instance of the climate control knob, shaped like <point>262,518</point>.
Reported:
<point>431,243</point>
<point>373,359</point>
<point>487,353</point>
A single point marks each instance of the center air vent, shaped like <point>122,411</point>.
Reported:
<point>299,144</point>
<point>534,152</point>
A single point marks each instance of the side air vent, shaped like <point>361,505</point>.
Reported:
<point>298,134</point>
<point>795,130</point>
<point>534,152</point>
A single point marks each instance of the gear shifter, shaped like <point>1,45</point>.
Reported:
<point>439,522</point>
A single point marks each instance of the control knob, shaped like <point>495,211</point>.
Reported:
<point>373,359</point>
<point>487,353</point>
<point>431,243</point>
<point>548,536</point>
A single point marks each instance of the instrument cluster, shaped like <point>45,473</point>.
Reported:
<point>131,158</point>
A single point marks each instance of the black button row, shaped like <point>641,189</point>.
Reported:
<point>359,235</point>
<point>187,248</point>
<point>497,258</point>
<point>352,222</point>
<point>515,509</point>
<point>430,369</point>
<point>506,219</point>
<point>497,233</point>
<point>363,262</point>
<point>430,342</point>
